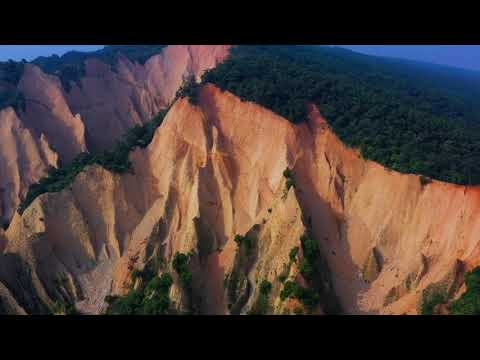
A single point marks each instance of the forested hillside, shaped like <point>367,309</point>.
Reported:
<point>410,117</point>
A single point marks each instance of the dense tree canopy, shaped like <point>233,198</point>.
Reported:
<point>11,71</point>
<point>469,302</point>
<point>10,74</point>
<point>150,299</point>
<point>413,118</point>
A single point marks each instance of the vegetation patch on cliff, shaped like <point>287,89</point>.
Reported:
<point>149,293</point>
<point>292,256</point>
<point>244,241</point>
<point>189,89</point>
<point>469,302</point>
<point>315,271</point>
<point>180,264</point>
<point>432,296</point>
<point>63,308</point>
<point>289,175</point>
<point>262,304</point>
<point>308,297</point>
<point>150,299</point>
<point>238,286</point>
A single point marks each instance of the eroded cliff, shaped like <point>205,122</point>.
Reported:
<point>216,170</point>
<point>112,100</point>
<point>89,116</point>
<point>24,158</point>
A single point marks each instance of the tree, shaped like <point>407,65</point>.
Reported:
<point>469,302</point>
<point>180,263</point>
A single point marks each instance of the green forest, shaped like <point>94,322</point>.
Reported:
<point>410,117</point>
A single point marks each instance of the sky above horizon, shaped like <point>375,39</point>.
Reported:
<point>463,56</point>
<point>30,52</point>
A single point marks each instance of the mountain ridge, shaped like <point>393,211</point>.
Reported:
<point>189,154</point>
<point>92,117</point>
<point>212,220</point>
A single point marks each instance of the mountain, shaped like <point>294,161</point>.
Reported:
<point>104,101</point>
<point>393,114</point>
<point>229,206</point>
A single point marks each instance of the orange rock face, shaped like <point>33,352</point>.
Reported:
<point>91,116</point>
<point>110,102</point>
<point>210,179</point>
<point>215,170</point>
<point>420,231</point>
<point>24,158</point>
<point>48,113</point>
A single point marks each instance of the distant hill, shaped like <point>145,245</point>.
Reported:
<point>70,66</point>
<point>460,86</point>
<point>138,53</point>
<point>410,116</point>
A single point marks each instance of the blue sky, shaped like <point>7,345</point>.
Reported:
<point>464,56</point>
<point>30,52</point>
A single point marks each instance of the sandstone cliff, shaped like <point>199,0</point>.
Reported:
<point>47,112</point>
<point>24,158</point>
<point>215,170</point>
<point>418,232</point>
<point>112,100</point>
<point>92,115</point>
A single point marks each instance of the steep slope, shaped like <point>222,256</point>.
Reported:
<point>419,233</point>
<point>113,99</point>
<point>67,238</point>
<point>47,112</point>
<point>214,171</point>
<point>93,113</point>
<point>8,305</point>
<point>24,159</point>
<point>199,166</point>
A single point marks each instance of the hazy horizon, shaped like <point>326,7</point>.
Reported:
<point>30,52</point>
<point>460,56</point>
